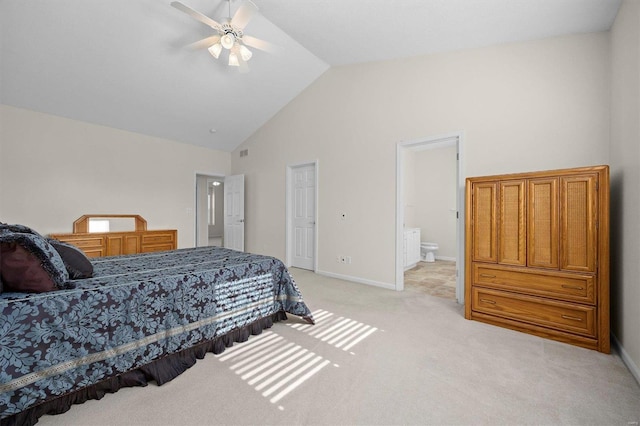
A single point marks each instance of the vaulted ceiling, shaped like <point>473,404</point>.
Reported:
<point>123,63</point>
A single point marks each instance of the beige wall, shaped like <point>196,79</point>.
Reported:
<point>625,182</point>
<point>53,170</point>
<point>430,197</point>
<point>522,107</point>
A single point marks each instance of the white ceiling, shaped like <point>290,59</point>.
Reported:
<point>122,63</point>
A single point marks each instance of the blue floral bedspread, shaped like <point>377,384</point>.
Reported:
<point>134,310</point>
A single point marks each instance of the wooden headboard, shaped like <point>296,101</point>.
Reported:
<point>138,240</point>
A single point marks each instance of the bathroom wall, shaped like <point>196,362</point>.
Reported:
<point>430,196</point>
<point>409,188</point>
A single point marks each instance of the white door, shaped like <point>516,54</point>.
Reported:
<point>303,216</point>
<point>234,212</point>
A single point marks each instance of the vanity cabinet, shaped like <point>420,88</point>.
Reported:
<point>537,254</point>
<point>411,247</point>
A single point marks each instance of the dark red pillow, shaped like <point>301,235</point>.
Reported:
<point>22,271</point>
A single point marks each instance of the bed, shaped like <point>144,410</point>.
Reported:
<point>139,318</point>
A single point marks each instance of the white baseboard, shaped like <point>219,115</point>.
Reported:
<point>453,259</point>
<point>357,280</point>
<point>626,359</point>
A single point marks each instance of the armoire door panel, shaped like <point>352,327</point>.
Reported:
<point>542,223</point>
<point>578,207</point>
<point>484,222</point>
<point>512,223</point>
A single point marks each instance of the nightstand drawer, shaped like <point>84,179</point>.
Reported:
<point>534,310</point>
<point>565,286</point>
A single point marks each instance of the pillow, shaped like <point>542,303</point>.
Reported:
<point>5,227</point>
<point>77,264</point>
<point>17,262</point>
<point>22,270</point>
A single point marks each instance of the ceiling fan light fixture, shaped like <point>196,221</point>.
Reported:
<point>233,60</point>
<point>215,50</point>
<point>245,53</point>
<point>227,40</point>
<point>229,34</point>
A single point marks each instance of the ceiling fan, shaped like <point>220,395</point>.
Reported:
<point>230,34</point>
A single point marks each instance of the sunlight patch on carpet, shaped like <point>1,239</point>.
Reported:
<point>340,332</point>
<point>272,365</point>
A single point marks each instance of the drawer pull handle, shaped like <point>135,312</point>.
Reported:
<point>488,301</point>
<point>571,318</point>
<point>572,287</point>
<point>487,276</point>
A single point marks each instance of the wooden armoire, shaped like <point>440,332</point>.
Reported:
<point>537,254</point>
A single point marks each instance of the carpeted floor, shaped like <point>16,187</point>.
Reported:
<point>381,357</point>
<point>433,278</point>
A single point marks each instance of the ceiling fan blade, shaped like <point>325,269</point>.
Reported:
<point>259,44</point>
<point>205,42</point>
<point>244,14</point>
<point>196,15</point>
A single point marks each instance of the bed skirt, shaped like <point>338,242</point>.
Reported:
<point>161,371</point>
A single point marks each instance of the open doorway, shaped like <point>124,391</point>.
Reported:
<point>429,219</point>
<point>209,210</point>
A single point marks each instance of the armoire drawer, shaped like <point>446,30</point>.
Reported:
<point>565,286</point>
<point>576,319</point>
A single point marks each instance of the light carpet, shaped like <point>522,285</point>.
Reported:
<point>380,357</point>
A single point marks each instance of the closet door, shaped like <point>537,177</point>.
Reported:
<point>512,223</point>
<point>484,234</point>
<point>578,232</point>
<point>542,223</point>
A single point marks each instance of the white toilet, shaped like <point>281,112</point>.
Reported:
<point>428,251</point>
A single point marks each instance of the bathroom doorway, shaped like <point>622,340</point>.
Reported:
<point>430,188</point>
<point>209,210</point>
